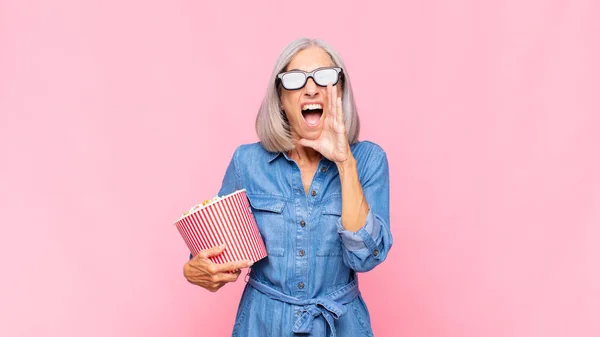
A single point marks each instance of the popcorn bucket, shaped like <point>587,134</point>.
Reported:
<point>227,220</point>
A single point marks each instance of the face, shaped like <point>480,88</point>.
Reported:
<point>306,108</point>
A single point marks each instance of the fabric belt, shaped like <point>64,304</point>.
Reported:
<point>329,307</point>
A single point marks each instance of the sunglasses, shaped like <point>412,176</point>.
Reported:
<point>296,79</point>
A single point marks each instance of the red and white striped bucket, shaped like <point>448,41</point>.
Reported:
<point>228,220</point>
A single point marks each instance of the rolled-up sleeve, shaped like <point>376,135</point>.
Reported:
<point>366,248</point>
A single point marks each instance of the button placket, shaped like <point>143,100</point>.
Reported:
<point>301,232</point>
<point>304,209</point>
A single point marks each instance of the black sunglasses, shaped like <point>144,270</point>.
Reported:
<point>296,79</point>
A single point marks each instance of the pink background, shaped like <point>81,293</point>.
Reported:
<point>117,115</point>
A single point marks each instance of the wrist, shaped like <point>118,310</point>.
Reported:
<point>348,164</point>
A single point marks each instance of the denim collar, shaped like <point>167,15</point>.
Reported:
<point>274,155</point>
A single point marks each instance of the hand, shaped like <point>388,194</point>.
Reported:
<point>333,142</point>
<point>202,272</point>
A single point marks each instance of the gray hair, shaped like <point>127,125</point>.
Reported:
<point>272,126</point>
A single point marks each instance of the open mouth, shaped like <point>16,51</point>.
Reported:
<point>312,114</point>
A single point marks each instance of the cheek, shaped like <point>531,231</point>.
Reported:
<point>288,101</point>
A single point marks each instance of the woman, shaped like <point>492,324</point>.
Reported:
<point>321,201</point>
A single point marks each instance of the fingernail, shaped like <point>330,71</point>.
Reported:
<point>250,263</point>
<point>222,246</point>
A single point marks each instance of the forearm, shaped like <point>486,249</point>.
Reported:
<point>354,205</point>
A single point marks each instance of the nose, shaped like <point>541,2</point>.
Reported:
<point>311,88</point>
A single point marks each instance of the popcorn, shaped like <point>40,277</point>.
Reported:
<point>206,202</point>
<point>200,206</point>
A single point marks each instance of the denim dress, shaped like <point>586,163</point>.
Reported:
<point>308,285</point>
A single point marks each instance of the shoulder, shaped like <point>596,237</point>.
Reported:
<point>371,160</point>
<point>252,152</point>
<point>367,151</point>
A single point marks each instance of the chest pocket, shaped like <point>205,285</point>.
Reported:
<point>330,243</point>
<point>268,212</point>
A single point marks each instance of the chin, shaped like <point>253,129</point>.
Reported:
<point>311,133</point>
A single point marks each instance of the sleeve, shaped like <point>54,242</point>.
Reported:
<point>364,249</point>
<point>231,180</point>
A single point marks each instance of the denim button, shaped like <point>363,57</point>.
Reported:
<point>300,285</point>
<point>375,252</point>
<point>302,223</point>
<point>301,252</point>
<point>313,193</point>
<point>323,169</point>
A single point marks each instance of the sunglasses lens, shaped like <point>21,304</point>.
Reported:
<point>324,77</point>
<point>293,80</point>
